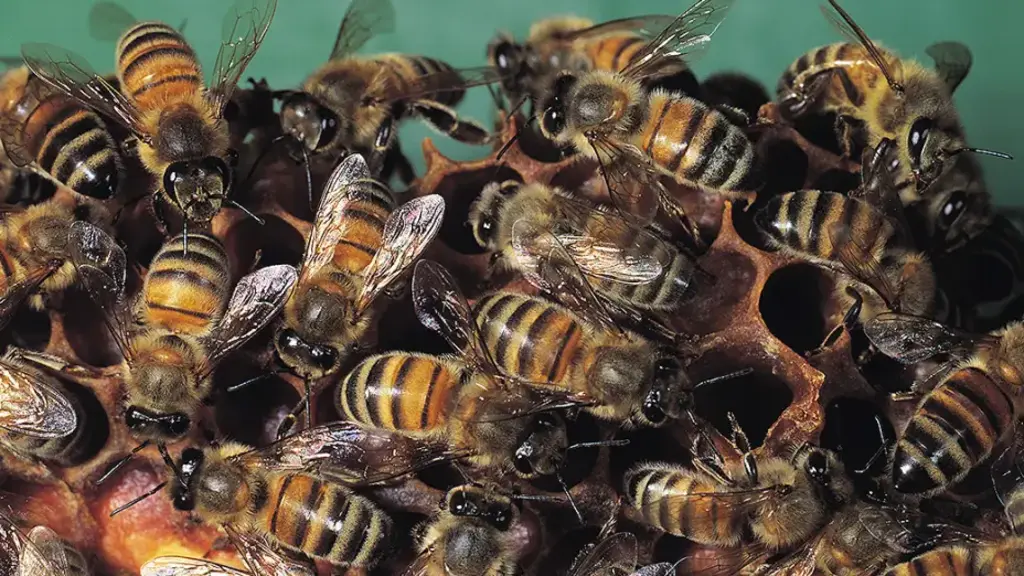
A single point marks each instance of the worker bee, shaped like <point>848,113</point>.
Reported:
<point>177,121</point>
<point>40,552</point>
<point>469,537</point>
<point>782,501</point>
<point>47,133</point>
<point>355,103</point>
<point>360,244</point>
<point>612,553</point>
<point>189,326</point>
<point>638,136</point>
<point>973,407</point>
<point>875,94</point>
<point>862,236</point>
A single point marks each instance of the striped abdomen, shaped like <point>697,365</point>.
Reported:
<point>364,219</point>
<point>854,73</point>
<point>186,293</point>
<point>1006,557</point>
<point>616,51</point>
<point>156,66</point>
<point>670,499</point>
<point>953,430</point>
<point>399,391</point>
<point>323,520</point>
<point>407,70</point>
<point>10,269</point>
<point>697,144</point>
<point>951,561</point>
<point>807,221</point>
<point>71,144</point>
<point>529,337</point>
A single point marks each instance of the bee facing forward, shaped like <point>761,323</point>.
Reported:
<point>177,120</point>
<point>876,94</point>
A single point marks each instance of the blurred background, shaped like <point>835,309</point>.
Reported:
<point>759,37</point>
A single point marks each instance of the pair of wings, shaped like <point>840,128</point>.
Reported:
<point>101,266</point>
<point>612,554</point>
<point>40,552</point>
<point>407,232</point>
<point>259,556</point>
<point>243,30</point>
<point>16,116</point>
<point>952,59</point>
<point>30,405</point>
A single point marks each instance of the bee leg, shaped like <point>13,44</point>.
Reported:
<point>849,319</point>
<point>849,133</point>
<point>396,162</point>
<point>445,120</point>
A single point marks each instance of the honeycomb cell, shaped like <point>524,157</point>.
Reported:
<point>791,306</point>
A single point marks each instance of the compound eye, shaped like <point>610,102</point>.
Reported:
<point>458,504</point>
<point>288,340</point>
<point>503,56</point>
<point>214,165</point>
<point>135,419</point>
<point>328,127</point>
<point>181,498</point>
<point>952,209</point>
<point>917,137</point>
<point>323,357</point>
<point>522,464</point>
<point>554,121</point>
<point>547,421</point>
<point>652,408</point>
<point>666,367</point>
<point>176,425</point>
<point>174,175</point>
<point>501,518</point>
<point>817,467</point>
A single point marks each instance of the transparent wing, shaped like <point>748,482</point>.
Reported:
<point>647,27</point>
<point>262,558</point>
<point>58,552</point>
<point>859,262</point>
<point>71,74</point>
<point>245,26</point>
<point>1007,474</point>
<point>725,562</point>
<point>843,22</point>
<point>633,181</point>
<point>21,556</point>
<point>12,122</point>
<point>510,399</point>
<point>659,569</point>
<point>442,307</point>
<point>407,232</point>
<point>31,406</point>
<point>256,301</point>
<point>436,83</point>
<point>952,61</point>
<point>420,565</point>
<point>363,20</point>
<point>184,566</point>
<point>101,267</point>
<point>21,288</point>
<point>685,37</point>
<point>108,20</point>
<point>911,339</point>
<point>878,188</point>
<point>617,551</point>
<point>349,453</point>
<point>547,264</point>
<point>329,225</point>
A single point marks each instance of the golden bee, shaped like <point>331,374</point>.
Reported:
<point>875,94</point>
<point>47,133</point>
<point>354,103</point>
<point>189,322</point>
<point>40,552</point>
<point>176,119</point>
<point>359,246</point>
<point>973,407</point>
<point>469,537</point>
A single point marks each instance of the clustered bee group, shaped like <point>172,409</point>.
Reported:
<point>590,334</point>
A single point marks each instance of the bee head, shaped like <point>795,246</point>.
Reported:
<point>542,452</point>
<point>182,492</point>
<point>553,121</point>
<point>508,57</point>
<point>473,502</point>
<point>485,212</point>
<point>163,427</point>
<point>309,123</point>
<point>308,360</point>
<point>956,204</point>
<point>198,186</point>
<point>667,396</point>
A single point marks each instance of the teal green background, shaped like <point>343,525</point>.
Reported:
<point>759,37</point>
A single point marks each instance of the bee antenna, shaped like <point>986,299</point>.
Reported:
<point>247,212</point>
<point>516,108</point>
<point>729,376</point>
<point>505,147</point>
<point>184,236</point>
<point>138,499</point>
<point>274,142</point>
<point>253,380</point>
<point>120,463</point>
<point>983,151</point>
<point>309,177</point>
<point>170,464</point>
<point>565,488</point>
<point>288,422</point>
<point>579,445</point>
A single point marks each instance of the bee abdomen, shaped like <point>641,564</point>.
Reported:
<point>530,337</point>
<point>156,65</point>
<point>363,235</point>
<point>852,68</point>
<point>666,292</point>
<point>615,52</point>
<point>951,561</point>
<point>400,391</point>
<point>698,144</point>
<point>433,74</point>
<point>953,430</point>
<point>187,292</point>
<point>74,147</point>
<point>324,520</point>
<point>670,499</point>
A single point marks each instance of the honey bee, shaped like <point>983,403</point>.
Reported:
<point>875,94</point>
<point>783,502</point>
<point>469,537</point>
<point>973,407</point>
<point>638,136</point>
<point>360,244</point>
<point>45,132</point>
<point>863,237</point>
<point>40,552</point>
<point>612,554</point>
<point>355,103</point>
<point>189,323</point>
<point>177,121</point>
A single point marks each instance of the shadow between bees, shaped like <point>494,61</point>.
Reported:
<point>252,414</point>
<point>29,329</point>
<point>276,241</point>
<point>86,330</point>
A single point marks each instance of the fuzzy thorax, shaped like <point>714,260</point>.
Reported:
<point>187,130</point>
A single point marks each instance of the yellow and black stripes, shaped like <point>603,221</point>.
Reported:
<point>426,74</point>
<point>853,71</point>
<point>186,292</point>
<point>949,561</point>
<point>364,217</point>
<point>156,66</point>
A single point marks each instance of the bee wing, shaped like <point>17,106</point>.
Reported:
<point>433,84</point>
<point>517,398</point>
<point>726,562</point>
<point>329,225</point>
<point>647,27</point>
<point>911,339</point>
<point>12,122</point>
<point>261,557</point>
<point>184,566</point>
<point>30,406</point>
<point>659,569</point>
<point>21,557</point>
<point>256,301</point>
<point>244,28</point>
<point>548,265</point>
<point>21,289</point>
<point>633,181</point>
<point>109,20</point>
<point>686,36</point>
<point>363,20</point>
<point>70,74</point>
<point>878,187</point>
<point>407,232</point>
<point>844,23</point>
<point>420,565</point>
<point>952,61</point>
<point>54,549</point>
<point>101,267</point>
<point>1007,474</point>
<point>858,261</point>
<point>349,453</point>
<point>615,551</point>
<point>442,307</point>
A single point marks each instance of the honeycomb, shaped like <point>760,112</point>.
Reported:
<point>757,310</point>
